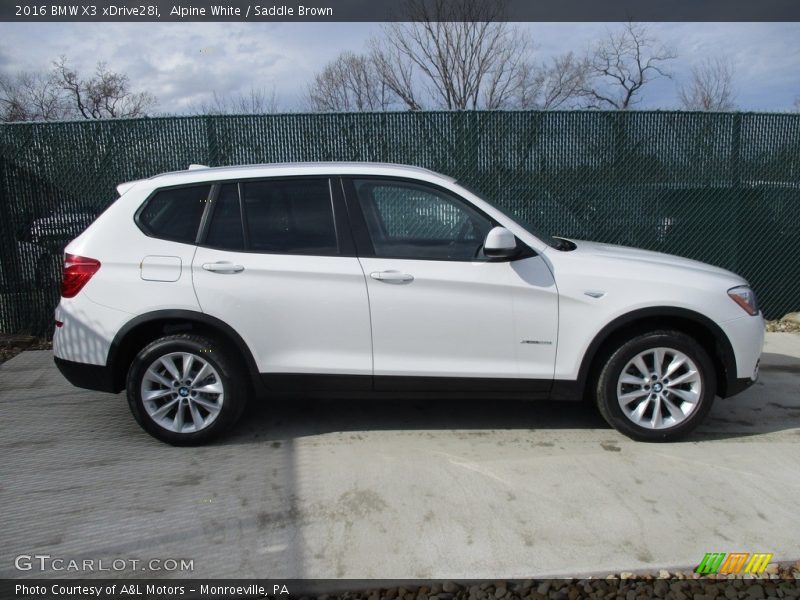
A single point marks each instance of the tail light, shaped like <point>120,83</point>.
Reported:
<point>78,270</point>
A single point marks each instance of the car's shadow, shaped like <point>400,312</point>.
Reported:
<point>767,407</point>
<point>283,418</point>
<point>771,405</point>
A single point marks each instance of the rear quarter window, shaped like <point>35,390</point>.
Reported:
<point>174,213</point>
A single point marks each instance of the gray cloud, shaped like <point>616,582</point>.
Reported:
<point>184,63</point>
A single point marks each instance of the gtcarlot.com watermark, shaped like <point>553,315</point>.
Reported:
<point>58,564</point>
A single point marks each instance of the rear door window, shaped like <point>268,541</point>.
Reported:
<point>290,216</point>
<point>225,231</point>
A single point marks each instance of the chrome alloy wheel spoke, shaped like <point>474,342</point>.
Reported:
<point>659,388</point>
<point>182,392</point>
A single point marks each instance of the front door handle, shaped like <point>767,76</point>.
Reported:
<point>223,267</point>
<point>391,276</point>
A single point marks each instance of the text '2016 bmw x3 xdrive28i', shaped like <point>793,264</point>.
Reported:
<point>197,290</point>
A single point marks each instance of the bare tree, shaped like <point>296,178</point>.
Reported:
<point>349,83</point>
<point>63,94</point>
<point>106,95</point>
<point>557,84</point>
<point>451,54</point>
<point>12,105</point>
<point>710,86</point>
<point>797,104</point>
<point>396,72</point>
<point>253,102</point>
<point>621,64</point>
<point>31,97</point>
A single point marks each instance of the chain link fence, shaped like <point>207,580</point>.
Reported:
<point>723,188</point>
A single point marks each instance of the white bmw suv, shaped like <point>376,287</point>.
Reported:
<point>200,289</point>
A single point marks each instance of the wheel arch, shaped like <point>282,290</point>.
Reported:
<point>705,331</point>
<point>143,329</point>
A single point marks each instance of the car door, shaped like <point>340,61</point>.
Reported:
<point>274,265</point>
<point>439,308</point>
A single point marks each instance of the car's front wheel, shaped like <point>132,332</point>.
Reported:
<point>657,386</point>
<point>184,390</point>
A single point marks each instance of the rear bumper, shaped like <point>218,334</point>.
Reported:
<point>90,377</point>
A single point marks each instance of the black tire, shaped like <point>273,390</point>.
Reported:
<point>232,380</point>
<point>607,396</point>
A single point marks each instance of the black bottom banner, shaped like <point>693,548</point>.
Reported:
<point>626,586</point>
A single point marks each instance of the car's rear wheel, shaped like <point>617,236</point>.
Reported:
<point>184,390</point>
<point>657,386</point>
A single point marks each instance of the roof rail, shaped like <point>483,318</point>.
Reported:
<point>196,167</point>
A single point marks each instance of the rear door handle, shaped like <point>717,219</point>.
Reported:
<point>391,276</point>
<point>223,267</point>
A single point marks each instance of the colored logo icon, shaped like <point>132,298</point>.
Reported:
<point>733,563</point>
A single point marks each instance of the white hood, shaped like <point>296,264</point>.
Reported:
<point>647,257</point>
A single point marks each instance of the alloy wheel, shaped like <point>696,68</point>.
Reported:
<point>182,392</point>
<point>659,388</point>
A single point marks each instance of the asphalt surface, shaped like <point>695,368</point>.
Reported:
<point>358,489</point>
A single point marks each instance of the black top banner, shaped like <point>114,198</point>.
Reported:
<point>398,10</point>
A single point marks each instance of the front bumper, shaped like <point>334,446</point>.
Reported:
<point>738,385</point>
<point>746,336</point>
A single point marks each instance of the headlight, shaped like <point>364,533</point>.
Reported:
<point>744,297</point>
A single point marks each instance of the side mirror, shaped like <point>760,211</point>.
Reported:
<point>500,243</point>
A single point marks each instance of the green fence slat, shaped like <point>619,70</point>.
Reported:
<point>723,188</point>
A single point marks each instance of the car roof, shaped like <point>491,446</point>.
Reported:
<point>200,173</point>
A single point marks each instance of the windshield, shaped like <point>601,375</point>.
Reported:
<point>517,218</point>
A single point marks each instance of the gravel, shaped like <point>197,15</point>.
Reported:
<point>12,344</point>
<point>784,326</point>
<point>778,581</point>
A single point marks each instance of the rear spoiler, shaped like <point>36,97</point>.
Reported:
<point>124,187</point>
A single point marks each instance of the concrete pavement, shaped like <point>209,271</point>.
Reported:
<point>358,489</point>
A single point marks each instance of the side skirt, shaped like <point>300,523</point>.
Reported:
<point>383,386</point>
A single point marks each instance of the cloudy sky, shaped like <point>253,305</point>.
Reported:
<point>184,63</point>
